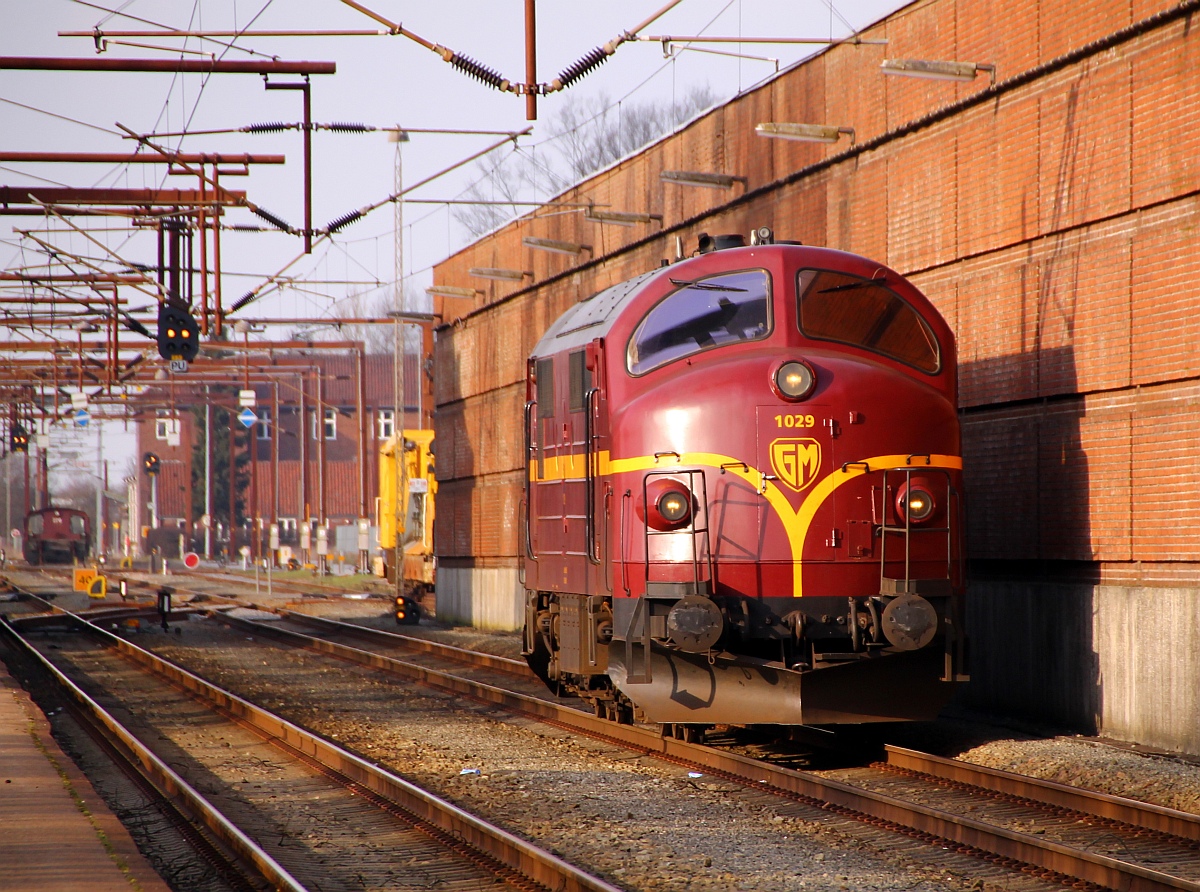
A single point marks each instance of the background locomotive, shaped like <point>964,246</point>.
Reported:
<point>56,535</point>
<point>743,494</point>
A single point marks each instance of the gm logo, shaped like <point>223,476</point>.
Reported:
<point>796,461</point>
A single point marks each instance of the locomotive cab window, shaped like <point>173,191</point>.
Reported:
<point>864,313</point>
<point>700,315</point>
<point>77,525</point>
<point>35,525</point>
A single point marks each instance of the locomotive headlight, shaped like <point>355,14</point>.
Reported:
<point>916,503</point>
<point>668,504</point>
<point>795,380</point>
<point>674,507</point>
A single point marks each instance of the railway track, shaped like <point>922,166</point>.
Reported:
<point>1063,835</point>
<point>306,813</point>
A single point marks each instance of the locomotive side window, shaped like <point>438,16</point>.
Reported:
<point>35,525</point>
<point>864,313</point>
<point>581,380</point>
<point>77,525</point>
<point>702,314</point>
<point>545,388</point>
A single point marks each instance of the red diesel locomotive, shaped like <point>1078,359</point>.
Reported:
<point>56,535</point>
<point>744,494</point>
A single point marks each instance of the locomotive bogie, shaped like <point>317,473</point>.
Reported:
<point>744,495</point>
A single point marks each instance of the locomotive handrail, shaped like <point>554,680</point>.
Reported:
<point>659,455</point>
<point>589,475</point>
<point>735,464</point>
<point>700,493</point>
<point>907,529</point>
<point>856,464</point>
<point>925,455</point>
<point>628,495</point>
<point>529,404</point>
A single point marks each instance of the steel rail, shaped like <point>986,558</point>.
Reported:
<point>508,850</point>
<point>432,648</point>
<point>174,787</point>
<point>1115,808</point>
<point>1011,848</point>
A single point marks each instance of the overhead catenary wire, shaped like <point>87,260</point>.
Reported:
<point>273,282</point>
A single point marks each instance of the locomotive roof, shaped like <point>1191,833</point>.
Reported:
<point>591,318</point>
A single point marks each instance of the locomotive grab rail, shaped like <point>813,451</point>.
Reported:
<point>591,405</point>
<point>529,404</point>
<point>625,498</point>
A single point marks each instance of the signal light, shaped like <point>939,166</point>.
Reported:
<point>150,463</point>
<point>178,333</point>
<point>407,611</point>
<point>18,440</point>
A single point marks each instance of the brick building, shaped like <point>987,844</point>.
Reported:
<point>321,420</point>
<point>1052,219</point>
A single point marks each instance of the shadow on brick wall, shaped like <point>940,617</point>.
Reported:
<point>1030,546</point>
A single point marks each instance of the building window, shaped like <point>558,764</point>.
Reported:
<point>263,428</point>
<point>386,419</point>
<point>287,526</point>
<point>165,426</point>
<point>330,424</point>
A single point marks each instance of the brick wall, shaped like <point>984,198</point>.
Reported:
<point>1053,222</point>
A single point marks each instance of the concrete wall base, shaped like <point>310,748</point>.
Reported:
<point>1119,661</point>
<point>486,598</point>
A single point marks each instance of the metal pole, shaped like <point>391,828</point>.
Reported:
<point>154,501</point>
<point>530,61</point>
<point>364,430</point>
<point>208,506</point>
<point>99,532</point>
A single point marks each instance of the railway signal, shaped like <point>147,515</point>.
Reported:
<point>18,439</point>
<point>150,464</point>
<point>178,333</point>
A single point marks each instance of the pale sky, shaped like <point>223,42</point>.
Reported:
<point>381,81</point>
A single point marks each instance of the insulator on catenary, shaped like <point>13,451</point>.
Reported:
<point>479,71</point>
<point>343,127</point>
<point>574,72</point>
<point>343,221</point>
<point>270,218</point>
<point>269,127</point>
<point>136,326</point>
<point>242,301</point>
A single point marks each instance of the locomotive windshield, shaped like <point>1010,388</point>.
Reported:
<point>701,314</point>
<point>864,313</point>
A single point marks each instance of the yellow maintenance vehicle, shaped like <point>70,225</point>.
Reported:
<point>407,487</point>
